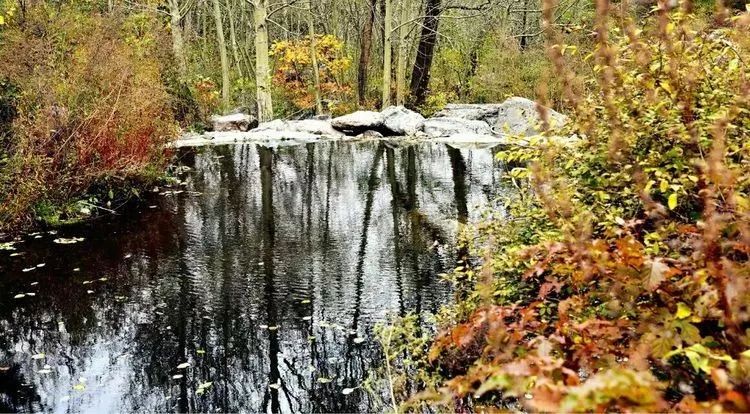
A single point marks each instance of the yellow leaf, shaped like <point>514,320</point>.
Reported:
<point>672,201</point>
<point>2,20</point>
<point>663,186</point>
<point>683,311</point>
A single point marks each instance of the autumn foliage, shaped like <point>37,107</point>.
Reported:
<point>89,104</point>
<point>619,278</point>
<point>293,72</point>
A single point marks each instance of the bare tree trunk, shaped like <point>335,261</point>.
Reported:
<point>365,51</point>
<point>262,63</point>
<point>420,76</point>
<point>387,53</point>
<point>224,58</point>
<point>314,57</point>
<point>178,44</point>
<point>403,33</point>
<point>233,38</point>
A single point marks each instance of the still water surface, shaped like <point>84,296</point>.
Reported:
<point>266,275</point>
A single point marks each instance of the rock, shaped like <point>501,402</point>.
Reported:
<point>519,116</point>
<point>402,121</point>
<point>370,134</point>
<point>234,122</point>
<point>474,141</point>
<point>309,126</point>
<point>359,121</point>
<point>446,127</point>
<point>476,112</point>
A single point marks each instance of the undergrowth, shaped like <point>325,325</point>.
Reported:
<point>619,278</point>
<point>84,103</point>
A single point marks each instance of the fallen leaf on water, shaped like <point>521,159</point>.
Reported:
<point>275,386</point>
<point>77,269</point>
<point>19,296</point>
<point>273,328</point>
<point>31,294</point>
<point>28,269</point>
<point>324,380</point>
<point>200,351</point>
<point>72,240</point>
<point>359,340</point>
<point>33,283</point>
<point>44,371</point>
<point>305,302</point>
<point>79,387</point>
<point>347,391</point>
<point>3,369</point>
<point>39,356</point>
<point>263,326</point>
<point>128,256</point>
<point>16,254</point>
<point>41,265</point>
<point>177,376</point>
<point>307,318</point>
<point>183,365</point>
<point>89,291</point>
<point>102,279</point>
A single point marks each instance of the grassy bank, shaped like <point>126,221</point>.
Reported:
<point>619,280</point>
<point>84,110</point>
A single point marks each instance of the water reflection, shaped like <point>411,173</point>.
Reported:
<point>265,275</point>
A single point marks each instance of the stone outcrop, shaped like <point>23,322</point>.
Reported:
<point>234,122</point>
<point>446,127</point>
<point>519,116</point>
<point>402,121</point>
<point>358,122</point>
<point>475,112</point>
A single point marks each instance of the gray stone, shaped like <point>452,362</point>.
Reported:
<point>308,126</point>
<point>476,112</point>
<point>446,127</point>
<point>519,116</point>
<point>370,134</point>
<point>359,121</point>
<point>402,121</point>
<point>234,122</point>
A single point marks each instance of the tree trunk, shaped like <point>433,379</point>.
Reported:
<point>262,64</point>
<point>420,76</point>
<point>387,52</point>
<point>233,38</point>
<point>403,34</point>
<point>364,52</point>
<point>314,59</point>
<point>224,58</point>
<point>178,44</point>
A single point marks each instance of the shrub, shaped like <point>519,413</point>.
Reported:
<point>91,104</point>
<point>620,278</point>
<point>293,72</point>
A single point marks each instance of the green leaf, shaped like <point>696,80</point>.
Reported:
<point>672,201</point>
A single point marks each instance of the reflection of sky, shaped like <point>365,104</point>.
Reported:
<point>208,274</point>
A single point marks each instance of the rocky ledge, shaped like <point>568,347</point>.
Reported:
<point>512,122</point>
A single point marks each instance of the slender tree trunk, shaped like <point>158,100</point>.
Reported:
<point>178,44</point>
<point>524,40</point>
<point>262,63</point>
<point>233,38</point>
<point>365,51</point>
<point>314,57</point>
<point>387,52</point>
<point>420,76</point>
<point>403,33</point>
<point>224,58</point>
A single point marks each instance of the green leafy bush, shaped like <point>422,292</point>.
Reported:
<point>620,279</point>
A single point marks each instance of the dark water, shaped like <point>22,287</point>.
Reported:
<point>266,275</point>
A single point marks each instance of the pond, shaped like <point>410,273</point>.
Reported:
<point>253,285</point>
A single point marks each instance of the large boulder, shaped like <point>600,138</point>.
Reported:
<point>359,121</point>
<point>402,121</point>
<point>476,112</point>
<point>308,126</point>
<point>519,116</point>
<point>446,127</point>
<point>233,122</point>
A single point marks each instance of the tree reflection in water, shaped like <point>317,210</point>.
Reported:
<point>260,275</point>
